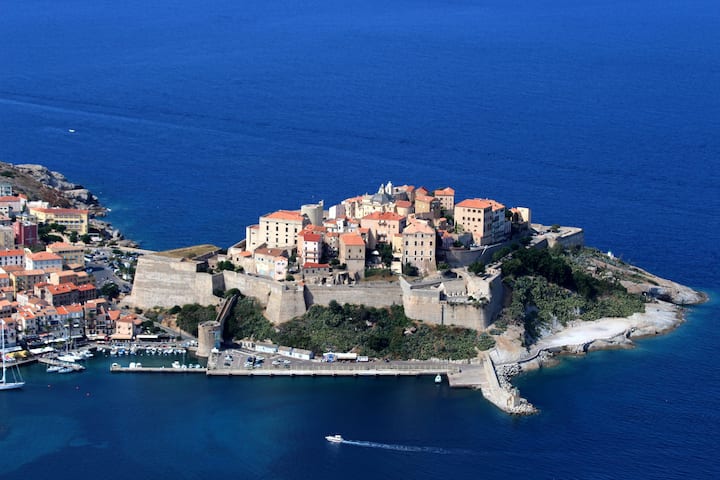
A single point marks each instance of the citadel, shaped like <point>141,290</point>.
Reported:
<point>293,259</point>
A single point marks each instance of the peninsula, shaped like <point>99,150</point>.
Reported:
<point>402,281</point>
<point>407,273</point>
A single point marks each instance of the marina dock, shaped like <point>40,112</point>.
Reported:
<point>53,361</point>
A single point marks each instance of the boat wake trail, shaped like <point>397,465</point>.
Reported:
<point>403,448</point>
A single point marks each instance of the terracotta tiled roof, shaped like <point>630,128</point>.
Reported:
<point>316,265</point>
<point>66,211</point>
<point>285,215</point>
<point>44,256</point>
<point>352,239</point>
<point>383,216</point>
<point>445,192</point>
<point>480,203</point>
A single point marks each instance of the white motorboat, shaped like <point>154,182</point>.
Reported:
<point>438,378</point>
<point>5,383</point>
<point>53,368</point>
<point>334,438</point>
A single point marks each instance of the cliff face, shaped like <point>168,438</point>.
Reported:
<point>39,183</point>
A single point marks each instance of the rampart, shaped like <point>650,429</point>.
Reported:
<point>467,301</point>
<point>372,294</point>
<point>165,282</point>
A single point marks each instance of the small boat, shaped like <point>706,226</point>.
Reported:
<point>65,370</point>
<point>438,378</point>
<point>53,368</point>
<point>176,364</point>
<point>334,438</point>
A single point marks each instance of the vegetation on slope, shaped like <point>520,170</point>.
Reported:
<point>549,286</point>
<point>376,332</point>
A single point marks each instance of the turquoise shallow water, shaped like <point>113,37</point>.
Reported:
<point>192,120</point>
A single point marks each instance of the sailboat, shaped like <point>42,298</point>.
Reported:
<point>5,383</point>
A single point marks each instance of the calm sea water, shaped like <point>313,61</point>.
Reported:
<point>191,120</point>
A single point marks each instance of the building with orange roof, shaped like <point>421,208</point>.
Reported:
<point>419,245</point>
<point>404,207</point>
<point>63,294</point>
<point>427,206</point>
<point>50,262</point>
<point>278,229</point>
<point>86,292</point>
<point>26,279</point>
<point>314,272</point>
<point>12,257</point>
<point>309,247</point>
<point>127,327</point>
<point>71,254</point>
<point>74,219</point>
<point>382,226</point>
<point>447,198</point>
<point>484,218</point>
<point>351,252</point>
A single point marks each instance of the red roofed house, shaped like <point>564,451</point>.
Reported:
<point>50,262</point>
<point>315,272</point>
<point>12,257</point>
<point>382,227</point>
<point>309,247</point>
<point>427,206</point>
<point>127,327</point>
<point>87,292</point>
<point>352,254</point>
<point>447,198</point>
<point>484,219</point>
<point>63,294</point>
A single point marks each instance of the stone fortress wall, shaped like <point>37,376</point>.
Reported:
<point>164,282</point>
<point>463,300</point>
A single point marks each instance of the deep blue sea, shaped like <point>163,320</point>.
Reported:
<point>193,118</point>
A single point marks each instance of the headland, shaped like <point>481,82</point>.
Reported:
<point>471,290</point>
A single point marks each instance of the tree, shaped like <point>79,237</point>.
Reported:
<point>110,290</point>
<point>410,270</point>
<point>477,267</point>
<point>225,265</point>
<point>85,238</point>
<point>73,237</point>
<point>289,278</point>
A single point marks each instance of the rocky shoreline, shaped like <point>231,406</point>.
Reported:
<point>39,182</point>
<point>661,316</point>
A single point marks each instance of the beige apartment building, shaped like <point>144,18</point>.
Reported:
<point>484,219</point>
<point>419,242</point>
<point>71,254</point>
<point>447,198</point>
<point>382,227</point>
<point>352,254</point>
<point>278,229</point>
<point>75,220</point>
